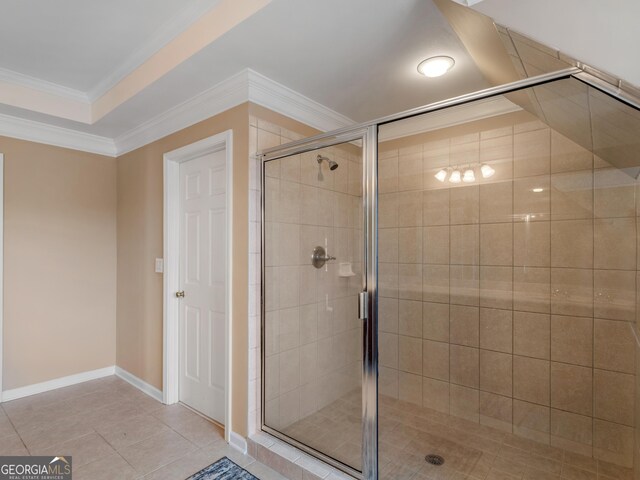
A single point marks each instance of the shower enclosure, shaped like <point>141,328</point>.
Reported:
<point>451,292</point>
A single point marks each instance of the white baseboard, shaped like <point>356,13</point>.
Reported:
<point>238,442</point>
<point>36,388</point>
<point>141,385</point>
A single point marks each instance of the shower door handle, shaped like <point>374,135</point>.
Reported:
<point>363,305</point>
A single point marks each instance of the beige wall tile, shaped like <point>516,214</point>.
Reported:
<point>436,245</point>
<point>388,210</point>
<point>614,346</point>
<point>410,245</point>
<point>530,205</point>
<point>614,396</point>
<point>410,388</point>
<point>496,287</point>
<point>572,340</point>
<point>464,285</point>
<point>570,426</point>
<point>388,382</point>
<point>289,328</point>
<point>613,442</point>
<point>496,411</point>
<point>531,334</point>
<point>614,294</point>
<point>410,209</point>
<point>531,416</point>
<point>614,194</point>
<point>410,354</point>
<point>410,281</point>
<point>496,202</point>
<point>464,366</point>
<point>410,318</point>
<point>572,195</point>
<point>465,402</point>
<point>435,357</point>
<point>496,244</point>
<point>436,207</point>
<point>464,325</point>
<point>572,243</point>
<point>435,283</point>
<point>410,171</point>
<point>388,245</point>
<point>567,156</point>
<point>388,350</point>
<point>464,205</point>
<point>496,329</point>
<point>532,244</point>
<point>435,395</point>
<point>532,153</point>
<point>435,321</point>
<point>531,380</point>
<point>496,372</point>
<point>572,388</point>
<point>572,291</point>
<point>532,289</point>
<point>388,314</point>
<point>436,154</point>
<point>620,232</point>
<point>388,174</point>
<point>465,245</point>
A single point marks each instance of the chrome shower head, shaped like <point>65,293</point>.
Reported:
<point>332,165</point>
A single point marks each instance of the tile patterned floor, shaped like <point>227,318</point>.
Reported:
<point>115,432</point>
<point>471,451</point>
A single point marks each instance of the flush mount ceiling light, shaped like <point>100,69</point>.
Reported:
<point>436,66</point>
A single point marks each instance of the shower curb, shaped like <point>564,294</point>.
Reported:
<point>289,461</point>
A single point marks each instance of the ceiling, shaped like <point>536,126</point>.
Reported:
<point>78,44</point>
<point>117,69</point>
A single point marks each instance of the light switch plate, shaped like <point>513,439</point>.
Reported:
<point>159,265</point>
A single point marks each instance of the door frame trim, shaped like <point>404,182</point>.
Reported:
<point>171,254</point>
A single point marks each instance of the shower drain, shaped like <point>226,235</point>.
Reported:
<point>434,459</point>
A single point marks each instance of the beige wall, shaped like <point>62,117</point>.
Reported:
<point>140,216</point>
<point>59,262</point>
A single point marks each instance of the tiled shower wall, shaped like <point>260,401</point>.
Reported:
<point>312,334</point>
<point>510,301</point>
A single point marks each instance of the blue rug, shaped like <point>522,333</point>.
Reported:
<point>223,469</point>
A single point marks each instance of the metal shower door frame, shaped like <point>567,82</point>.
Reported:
<point>368,137</point>
<point>368,133</point>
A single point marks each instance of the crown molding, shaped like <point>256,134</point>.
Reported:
<point>225,95</point>
<point>161,37</point>
<point>15,78</point>
<point>38,132</point>
<point>245,86</point>
<point>478,110</point>
<point>275,96</point>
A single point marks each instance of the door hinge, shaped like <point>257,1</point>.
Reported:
<point>363,305</point>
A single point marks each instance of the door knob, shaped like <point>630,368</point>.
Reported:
<point>180,294</point>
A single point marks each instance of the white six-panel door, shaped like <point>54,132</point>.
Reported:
<point>202,279</point>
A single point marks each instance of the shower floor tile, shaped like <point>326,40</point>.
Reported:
<point>471,451</point>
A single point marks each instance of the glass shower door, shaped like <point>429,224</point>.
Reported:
<point>313,272</point>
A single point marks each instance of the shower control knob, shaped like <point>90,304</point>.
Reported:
<point>319,257</point>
